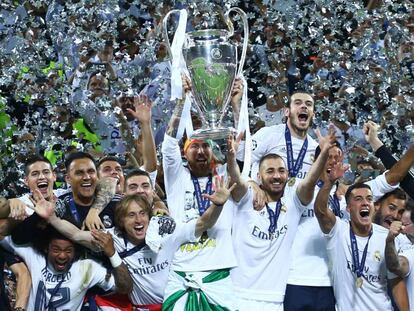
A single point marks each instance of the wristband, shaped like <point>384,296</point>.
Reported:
<point>115,260</point>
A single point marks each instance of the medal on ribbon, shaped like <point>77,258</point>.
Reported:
<point>334,203</point>
<point>273,216</point>
<point>202,203</point>
<point>358,266</point>
<point>294,166</point>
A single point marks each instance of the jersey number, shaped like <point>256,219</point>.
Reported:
<point>61,297</point>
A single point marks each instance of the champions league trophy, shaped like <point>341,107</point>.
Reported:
<point>211,61</point>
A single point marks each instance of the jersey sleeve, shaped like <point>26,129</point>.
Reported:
<point>380,186</point>
<point>333,236</point>
<point>293,191</point>
<point>246,202</point>
<point>409,255</point>
<point>171,158</point>
<point>184,232</point>
<point>100,276</point>
<point>27,253</point>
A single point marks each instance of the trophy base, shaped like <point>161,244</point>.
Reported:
<point>213,134</point>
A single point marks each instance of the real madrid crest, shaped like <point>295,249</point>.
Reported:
<point>377,256</point>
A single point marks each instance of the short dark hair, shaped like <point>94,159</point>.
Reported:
<point>138,172</point>
<point>358,185</point>
<point>103,74</point>
<point>33,159</point>
<point>77,155</point>
<point>295,92</point>
<point>398,193</point>
<point>106,159</point>
<point>318,149</point>
<point>269,156</point>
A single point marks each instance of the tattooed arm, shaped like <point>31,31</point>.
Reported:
<point>176,116</point>
<point>398,265</point>
<point>104,194</point>
<point>123,280</point>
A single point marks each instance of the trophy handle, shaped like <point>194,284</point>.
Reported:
<point>245,34</point>
<point>165,30</point>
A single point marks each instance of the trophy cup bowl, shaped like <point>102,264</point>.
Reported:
<point>212,64</point>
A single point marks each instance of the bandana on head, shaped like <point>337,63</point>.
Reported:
<point>188,143</point>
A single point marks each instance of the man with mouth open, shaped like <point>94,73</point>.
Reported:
<point>200,271</point>
<point>355,249</point>
<point>149,268</point>
<point>291,140</point>
<point>263,238</point>
<point>60,279</point>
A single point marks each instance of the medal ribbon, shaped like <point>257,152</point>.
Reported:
<point>358,266</point>
<point>131,251</point>
<point>201,202</point>
<point>274,216</point>
<point>74,210</point>
<point>334,202</point>
<point>294,168</point>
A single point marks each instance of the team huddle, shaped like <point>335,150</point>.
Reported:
<point>293,236</point>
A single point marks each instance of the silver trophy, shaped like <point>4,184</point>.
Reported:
<point>211,61</point>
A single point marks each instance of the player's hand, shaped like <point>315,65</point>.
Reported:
<point>259,197</point>
<point>42,207</point>
<point>237,92</point>
<point>221,191</point>
<point>92,220</point>
<point>142,109</point>
<point>395,229</point>
<point>328,141</point>
<point>17,209</point>
<point>104,241</point>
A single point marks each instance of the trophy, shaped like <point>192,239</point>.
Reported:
<point>211,61</point>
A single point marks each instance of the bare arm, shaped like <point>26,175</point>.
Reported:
<point>236,95</point>
<point>399,291</point>
<point>371,135</point>
<point>23,284</point>
<point>142,113</point>
<point>176,116</point>
<point>233,169</point>
<point>218,198</point>
<point>124,128</point>
<point>105,191</point>
<point>123,280</point>
<point>401,168</point>
<point>72,232</point>
<point>4,208</point>
<point>306,188</point>
<point>396,264</point>
<point>45,209</point>
<point>325,216</point>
